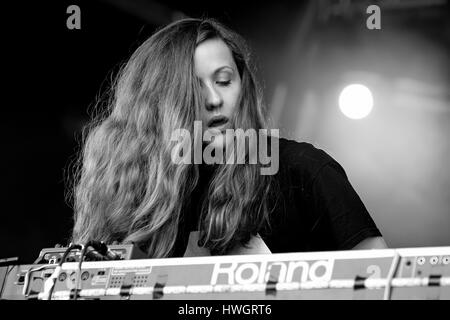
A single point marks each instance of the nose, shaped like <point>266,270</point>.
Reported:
<point>213,99</point>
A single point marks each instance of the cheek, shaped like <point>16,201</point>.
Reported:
<point>234,97</point>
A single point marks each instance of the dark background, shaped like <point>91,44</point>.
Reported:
<point>396,158</point>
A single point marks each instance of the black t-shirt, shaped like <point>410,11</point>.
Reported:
<point>316,208</point>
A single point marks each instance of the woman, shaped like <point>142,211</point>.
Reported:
<point>128,189</point>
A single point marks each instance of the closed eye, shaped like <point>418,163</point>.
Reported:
<point>224,83</point>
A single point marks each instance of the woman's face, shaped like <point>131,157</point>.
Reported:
<point>221,85</point>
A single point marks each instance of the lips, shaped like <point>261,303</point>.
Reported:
<point>217,121</point>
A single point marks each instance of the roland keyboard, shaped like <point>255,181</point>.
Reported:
<point>389,274</point>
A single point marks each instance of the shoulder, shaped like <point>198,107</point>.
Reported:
<point>304,159</point>
<point>295,152</point>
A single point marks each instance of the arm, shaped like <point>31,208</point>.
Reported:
<point>348,222</point>
<point>371,243</point>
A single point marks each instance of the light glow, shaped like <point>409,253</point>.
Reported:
<point>356,101</point>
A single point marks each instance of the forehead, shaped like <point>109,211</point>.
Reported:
<point>211,55</point>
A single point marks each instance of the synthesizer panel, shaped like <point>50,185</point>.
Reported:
<point>389,274</point>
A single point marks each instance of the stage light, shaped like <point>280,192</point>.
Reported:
<point>355,101</point>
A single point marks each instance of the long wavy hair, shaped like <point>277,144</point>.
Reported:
<point>126,189</point>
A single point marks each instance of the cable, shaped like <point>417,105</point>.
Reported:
<point>77,282</point>
<point>8,270</point>
<point>68,250</point>
<point>390,276</point>
<point>100,252</point>
<point>49,284</point>
<point>27,278</point>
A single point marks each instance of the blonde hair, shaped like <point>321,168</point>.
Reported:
<point>127,189</point>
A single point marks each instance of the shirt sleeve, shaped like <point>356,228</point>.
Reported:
<point>343,220</point>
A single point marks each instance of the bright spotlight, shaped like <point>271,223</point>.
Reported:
<point>356,101</point>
